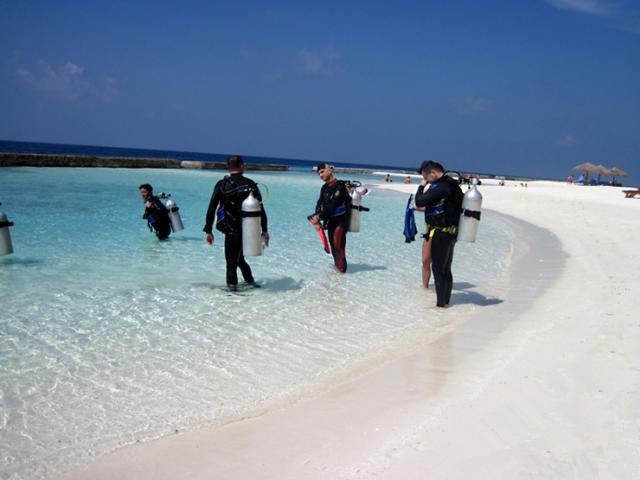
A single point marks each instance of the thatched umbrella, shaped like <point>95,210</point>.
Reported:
<point>617,172</point>
<point>601,170</point>
<point>586,168</point>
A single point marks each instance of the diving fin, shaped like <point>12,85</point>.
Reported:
<point>323,239</point>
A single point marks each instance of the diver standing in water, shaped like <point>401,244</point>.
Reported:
<point>443,204</point>
<point>226,206</point>
<point>155,213</point>
<point>333,209</point>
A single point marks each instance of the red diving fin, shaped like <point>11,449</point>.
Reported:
<point>323,239</point>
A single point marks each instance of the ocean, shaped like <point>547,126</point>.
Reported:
<point>87,150</point>
<point>109,337</point>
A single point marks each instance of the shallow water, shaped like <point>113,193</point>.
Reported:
<point>108,336</point>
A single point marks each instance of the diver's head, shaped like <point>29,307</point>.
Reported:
<point>431,171</point>
<point>325,171</point>
<point>235,164</point>
<point>146,190</point>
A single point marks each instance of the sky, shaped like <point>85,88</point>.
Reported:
<point>518,87</point>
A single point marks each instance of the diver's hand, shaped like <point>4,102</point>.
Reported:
<point>314,219</point>
<point>209,238</point>
<point>265,239</point>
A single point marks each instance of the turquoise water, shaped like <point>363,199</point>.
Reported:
<point>108,336</point>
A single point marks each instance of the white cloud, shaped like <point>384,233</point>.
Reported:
<point>67,81</point>
<point>476,105</point>
<point>318,62</point>
<point>592,7</point>
<point>568,141</point>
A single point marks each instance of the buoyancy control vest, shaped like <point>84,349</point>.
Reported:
<point>446,212</point>
<point>234,189</point>
<point>334,204</point>
<point>157,217</point>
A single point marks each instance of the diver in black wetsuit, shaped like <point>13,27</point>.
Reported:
<point>443,202</point>
<point>333,209</point>
<point>226,203</point>
<point>155,213</point>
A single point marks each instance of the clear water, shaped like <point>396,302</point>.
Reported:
<point>108,336</point>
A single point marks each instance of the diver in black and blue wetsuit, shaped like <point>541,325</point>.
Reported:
<point>333,209</point>
<point>155,213</point>
<point>443,205</point>
<point>225,209</point>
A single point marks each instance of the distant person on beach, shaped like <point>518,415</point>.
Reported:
<point>407,179</point>
<point>387,178</point>
<point>333,210</point>
<point>225,205</point>
<point>443,205</point>
<point>155,213</point>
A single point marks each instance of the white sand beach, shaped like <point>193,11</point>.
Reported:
<point>536,386</point>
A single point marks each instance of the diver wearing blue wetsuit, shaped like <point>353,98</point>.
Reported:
<point>443,204</point>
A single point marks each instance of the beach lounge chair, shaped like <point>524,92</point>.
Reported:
<point>631,193</point>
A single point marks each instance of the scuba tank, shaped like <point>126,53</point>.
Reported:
<point>356,191</point>
<point>174,214</point>
<point>354,220</point>
<point>251,227</point>
<point>470,216</point>
<point>5,236</point>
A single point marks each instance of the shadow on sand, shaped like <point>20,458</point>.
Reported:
<point>25,262</point>
<point>361,267</point>
<point>473,298</point>
<point>270,285</point>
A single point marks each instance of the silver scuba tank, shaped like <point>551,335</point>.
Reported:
<point>174,214</point>
<point>6,247</point>
<point>251,227</point>
<point>470,216</point>
<point>354,220</point>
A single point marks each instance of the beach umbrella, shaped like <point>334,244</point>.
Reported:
<point>601,170</point>
<point>617,172</point>
<point>585,168</point>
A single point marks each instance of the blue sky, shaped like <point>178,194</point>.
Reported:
<point>529,87</point>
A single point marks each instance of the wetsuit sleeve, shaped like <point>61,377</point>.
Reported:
<point>319,202</point>
<point>433,195</point>
<point>216,197</point>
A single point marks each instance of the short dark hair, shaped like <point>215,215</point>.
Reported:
<point>147,187</point>
<point>429,165</point>
<point>235,162</point>
<point>322,165</point>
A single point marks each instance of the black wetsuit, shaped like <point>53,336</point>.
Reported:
<point>443,202</point>
<point>157,217</point>
<point>333,208</point>
<point>228,195</point>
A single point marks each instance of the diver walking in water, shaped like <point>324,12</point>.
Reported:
<point>155,213</point>
<point>443,204</point>
<point>333,210</point>
<point>225,207</point>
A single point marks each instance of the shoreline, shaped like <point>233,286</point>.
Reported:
<point>343,433</point>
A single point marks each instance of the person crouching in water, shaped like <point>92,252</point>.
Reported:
<point>155,213</point>
<point>443,205</point>
<point>228,195</point>
<point>333,209</point>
